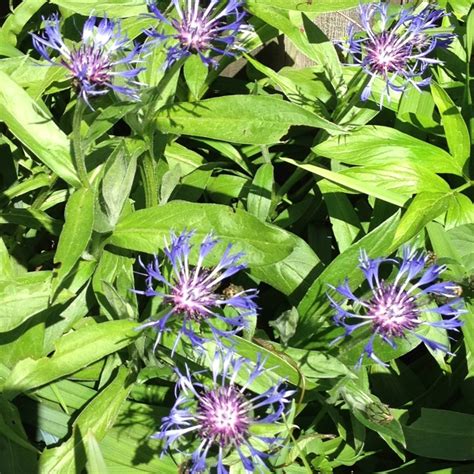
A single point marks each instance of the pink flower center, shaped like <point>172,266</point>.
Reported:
<point>223,416</point>
<point>393,311</point>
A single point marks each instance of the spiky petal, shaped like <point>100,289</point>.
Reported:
<point>396,49</point>
<point>397,308</point>
<point>221,414</point>
<point>102,61</point>
<point>201,30</point>
<point>191,295</point>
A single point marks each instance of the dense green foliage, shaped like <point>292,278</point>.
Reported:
<point>288,165</point>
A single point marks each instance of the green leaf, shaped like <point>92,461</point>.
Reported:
<point>126,447</point>
<point>6,262</point>
<point>468,333</point>
<point>299,86</point>
<point>17,20</point>
<point>188,160</point>
<point>147,229</point>
<point>115,188</point>
<point>30,184</point>
<point>286,85</point>
<point>225,187</point>
<point>344,220</point>
<point>462,238</point>
<point>416,108</point>
<point>292,274</point>
<point>313,307</point>
<point>106,271</point>
<point>18,455</point>
<point>120,308</point>
<point>285,325</point>
<point>73,352</point>
<point>36,129</point>
<point>416,178</point>
<point>304,34</point>
<point>113,8</point>
<point>12,427</point>
<point>457,134</point>
<point>351,183</point>
<point>310,83</point>
<point>8,50</point>
<point>318,6</point>
<point>76,232</point>
<point>195,73</point>
<point>32,290</point>
<point>460,211</point>
<point>423,209</point>
<point>96,419</point>
<point>162,95</point>
<point>317,365</point>
<point>461,8</point>
<point>259,199</point>
<point>375,145</point>
<point>68,317</point>
<point>95,460</point>
<point>350,349</point>
<point>371,412</point>
<point>251,119</point>
<point>470,32</point>
<point>169,181</point>
<point>34,76</point>
<point>106,119</point>
<point>25,340</point>
<point>32,219</point>
<point>447,250</point>
<point>282,365</point>
<point>441,434</point>
<point>229,151</point>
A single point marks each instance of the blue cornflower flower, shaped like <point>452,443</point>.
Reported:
<point>395,309</point>
<point>201,30</point>
<point>398,50</point>
<point>191,292</point>
<point>96,63</point>
<point>222,415</point>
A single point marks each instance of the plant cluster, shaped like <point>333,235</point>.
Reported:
<point>212,260</point>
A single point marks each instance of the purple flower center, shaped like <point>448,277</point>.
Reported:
<point>387,54</point>
<point>90,64</point>
<point>223,415</point>
<point>194,35</point>
<point>192,296</point>
<point>393,311</point>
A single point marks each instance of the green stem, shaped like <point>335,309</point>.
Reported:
<point>467,89</point>
<point>298,173</point>
<point>297,446</point>
<point>44,193</point>
<point>78,151</point>
<point>148,172</point>
<point>148,164</point>
<point>357,83</point>
<point>266,154</point>
<point>464,186</point>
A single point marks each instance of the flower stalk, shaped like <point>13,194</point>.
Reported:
<point>148,174</point>
<point>77,145</point>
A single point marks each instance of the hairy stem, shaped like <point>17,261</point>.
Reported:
<point>78,151</point>
<point>148,172</point>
